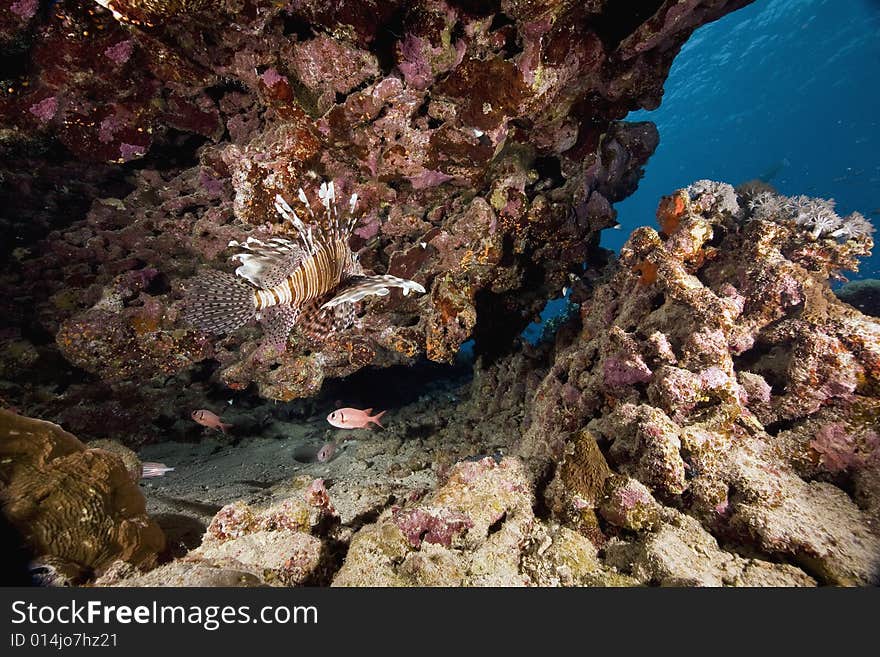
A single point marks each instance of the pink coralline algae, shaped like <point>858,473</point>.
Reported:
<point>45,109</point>
<point>839,449</point>
<point>120,52</point>
<point>271,77</point>
<point>620,372</point>
<point>109,127</point>
<point>131,151</point>
<point>439,526</point>
<point>24,8</point>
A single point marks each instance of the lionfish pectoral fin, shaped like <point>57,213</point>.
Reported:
<point>218,302</point>
<point>357,288</point>
<point>267,263</point>
<point>277,323</point>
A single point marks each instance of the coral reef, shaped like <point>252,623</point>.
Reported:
<point>704,412</point>
<point>711,424</point>
<point>716,372</point>
<point>77,509</point>
<point>247,546</point>
<point>485,143</point>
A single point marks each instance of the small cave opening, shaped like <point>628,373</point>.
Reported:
<point>392,387</point>
<point>657,301</point>
<point>177,150</point>
<point>499,322</point>
<point>496,526</point>
<point>500,20</point>
<point>14,64</point>
<point>228,85</point>
<point>549,170</point>
<point>769,361</point>
<point>775,428</point>
<point>159,285</point>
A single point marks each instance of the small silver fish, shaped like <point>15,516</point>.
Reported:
<point>152,469</point>
<point>326,452</point>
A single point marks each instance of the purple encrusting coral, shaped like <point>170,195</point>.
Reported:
<point>45,109</point>
<point>439,526</point>
<point>620,372</point>
<point>24,8</point>
<point>120,52</point>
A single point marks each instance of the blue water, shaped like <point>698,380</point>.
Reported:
<point>782,89</point>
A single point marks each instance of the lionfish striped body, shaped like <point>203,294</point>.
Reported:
<point>313,281</point>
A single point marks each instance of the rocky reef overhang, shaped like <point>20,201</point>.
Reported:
<point>485,141</point>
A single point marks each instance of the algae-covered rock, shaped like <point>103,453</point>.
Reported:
<point>682,553</point>
<point>469,532</point>
<point>629,504</point>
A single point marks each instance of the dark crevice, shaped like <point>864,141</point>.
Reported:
<point>621,18</point>
<point>160,284</point>
<point>499,20</point>
<point>540,508</point>
<point>387,39</point>
<point>496,526</point>
<point>391,387</point>
<point>202,371</point>
<point>550,169</point>
<point>477,7</point>
<point>14,65</point>
<point>499,322</point>
<point>775,428</point>
<point>178,150</point>
<point>297,27</point>
<point>217,91</point>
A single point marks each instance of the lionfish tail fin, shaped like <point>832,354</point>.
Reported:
<point>218,302</point>
<point>359,287</point>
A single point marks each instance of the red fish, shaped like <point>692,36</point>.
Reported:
<point>352,418</point>
<point>211,420</point>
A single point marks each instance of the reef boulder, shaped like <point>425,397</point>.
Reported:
<point>77,509</point>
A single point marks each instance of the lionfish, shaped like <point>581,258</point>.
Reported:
<point>314,280</point>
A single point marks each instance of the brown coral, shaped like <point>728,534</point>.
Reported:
<point>72,503</point>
